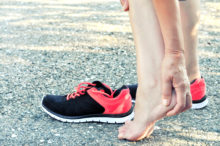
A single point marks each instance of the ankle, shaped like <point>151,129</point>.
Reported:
<point>193,71</point>
<point>151,84</point>
<point>194,76</point>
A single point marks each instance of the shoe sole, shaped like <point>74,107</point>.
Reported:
<point>200,103</point>
<point>196,105</point>
<point>91,118</point>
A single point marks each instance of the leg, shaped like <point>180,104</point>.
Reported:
<point>190,20</point>
<point>150,52</point>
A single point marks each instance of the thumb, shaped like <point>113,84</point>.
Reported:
<point>166,92</point>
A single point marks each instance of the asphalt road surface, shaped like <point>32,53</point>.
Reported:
<point>49,46</point>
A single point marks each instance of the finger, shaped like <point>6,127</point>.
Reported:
<point>121,129</point>
<point>188,102</point>
<point>166,92</point>
<point>181,102</point>
<point>121,134</point>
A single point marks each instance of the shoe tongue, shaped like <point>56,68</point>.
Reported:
<point>101,86</point>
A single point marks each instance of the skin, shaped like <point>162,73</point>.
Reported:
<point>174,73</point>
<point>190,15</point>
<point>148,107</point>
<point>162,56</point>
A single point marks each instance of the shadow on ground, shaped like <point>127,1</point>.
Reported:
<point>48,47</point>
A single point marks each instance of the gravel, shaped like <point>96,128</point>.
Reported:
<point>48,47</point>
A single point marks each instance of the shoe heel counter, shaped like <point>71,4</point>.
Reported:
<point>127,100</point>
<point>198,89</point>
<point>204,86</point>
<point>123,103</point>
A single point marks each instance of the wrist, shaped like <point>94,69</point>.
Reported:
<point>175,55</point>
<point>174,45</point>
<point>174,52</point>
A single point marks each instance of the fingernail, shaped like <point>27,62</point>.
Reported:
<point>165,102</point>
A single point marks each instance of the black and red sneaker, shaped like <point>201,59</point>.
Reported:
<point>197,89</point>
<point>198,92</point>
<point>95,102</point>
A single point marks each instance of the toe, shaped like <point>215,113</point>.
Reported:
<point>124,131</point>
<point>121,132</point>
<point>127,122</point>
<point>121,135</point>
<point>121,129</point>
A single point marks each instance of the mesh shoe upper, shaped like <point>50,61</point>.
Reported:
<point>198,89</point>
<point>82,105</point>
<point>95,99</point>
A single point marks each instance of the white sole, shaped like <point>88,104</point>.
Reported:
<point>200,105</point>
<point>194,105</point>
<point>92,119</point>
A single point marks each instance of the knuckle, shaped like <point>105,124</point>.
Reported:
<point>189,94</point>
<point>183,85</point>
<point>166,94</point>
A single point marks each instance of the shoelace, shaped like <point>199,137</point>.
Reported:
<point>80,90</point>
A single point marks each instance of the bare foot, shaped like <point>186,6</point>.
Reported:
<point>148,110</point>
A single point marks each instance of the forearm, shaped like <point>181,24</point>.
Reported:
<point>168,13</point>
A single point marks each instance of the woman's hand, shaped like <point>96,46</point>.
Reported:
<point>174,74</point>
<point>174,77</point>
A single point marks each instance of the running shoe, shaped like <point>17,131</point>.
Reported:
<point>198,92</point>
<point>91,102</point>
<point>197,88</point>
